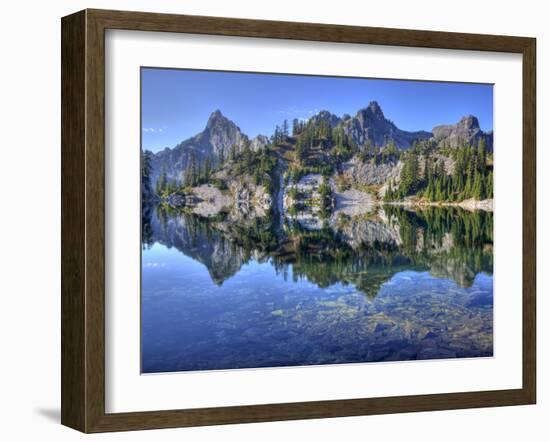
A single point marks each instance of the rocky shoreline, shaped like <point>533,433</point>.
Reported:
<point>245,202</point>
<point>470,204</point>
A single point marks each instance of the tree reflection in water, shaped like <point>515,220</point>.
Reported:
<point>397,284</point>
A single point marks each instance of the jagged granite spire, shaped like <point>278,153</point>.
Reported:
<point>215,118</point>
<point>370,125</point>
<point>467,130</point>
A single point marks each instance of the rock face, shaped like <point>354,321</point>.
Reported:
<point>370,124</point>
<point>221,133</point>
<point>325,115</point>
<point>366,174</point>
<point>467,130</point>
<point>259,142</point>
<point>250,201</point>
<point>214,142</point>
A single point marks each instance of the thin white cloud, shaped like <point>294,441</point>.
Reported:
<point>296,112</point>
<point>153,129</point>
<point>154,264</point>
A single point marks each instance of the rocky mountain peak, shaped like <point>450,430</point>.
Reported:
<point>214,142</point>
<point>327,116</point>
<point>220,134</point>
<point>373,112</point>
<point>216,118</point>
<point>370,124</point>
<point>469,122</point>
<point>375,109</point>
<point>467,130</point>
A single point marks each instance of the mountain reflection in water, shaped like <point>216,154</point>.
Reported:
<point>394,285</point>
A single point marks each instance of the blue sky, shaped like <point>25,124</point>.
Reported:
<point>176,103</point>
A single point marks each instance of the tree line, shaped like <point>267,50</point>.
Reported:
<point>426,176</point>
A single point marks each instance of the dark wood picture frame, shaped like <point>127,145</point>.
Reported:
<point>83,220</point>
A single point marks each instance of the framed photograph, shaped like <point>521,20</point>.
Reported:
<point>268,220</point>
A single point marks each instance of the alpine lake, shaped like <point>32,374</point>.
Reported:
<point>393,284</point>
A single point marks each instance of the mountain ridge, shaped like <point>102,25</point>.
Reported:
<point>369,126</point>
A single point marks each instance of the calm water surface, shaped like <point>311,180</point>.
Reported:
<point>399,285</point>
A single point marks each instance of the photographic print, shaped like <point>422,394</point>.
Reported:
<point>293,220</point>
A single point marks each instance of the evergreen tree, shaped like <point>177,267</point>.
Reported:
<point>295,127</point>
<point>482,154</point>
<point>489,185</point>
<point>409,178</point>
<point>478,190</point>
<point>300,150</point>
<point>427,171</point>
<point>466,193</point>
<point>192,171</point>
<point>146,168</point>
<point>247,154</point>
<point>390,194</point>
<point>207,168</point>
<point>162,181</point>
<point>284,131</point>
<point>448,189</point>
<point>429,193</point>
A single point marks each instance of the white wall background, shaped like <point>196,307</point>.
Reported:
<point>30,221</point>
